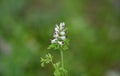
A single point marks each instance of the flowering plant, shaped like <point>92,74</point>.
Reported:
<point>60,42</point>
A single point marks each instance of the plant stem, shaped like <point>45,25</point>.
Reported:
<point>62,61</point>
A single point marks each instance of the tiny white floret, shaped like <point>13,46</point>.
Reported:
<point>56,29</point>
<point>63,37</point>
<point>59,34</point>
<point>62,33</point>
<point>62,25</point>
<point>53,41</point>
<point>59,42</point>
<point>56,36</point>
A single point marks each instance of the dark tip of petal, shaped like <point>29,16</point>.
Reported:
<point>62,42</point>
<point>54,32</point>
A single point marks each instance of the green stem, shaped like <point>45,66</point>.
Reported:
<point>62,61</point>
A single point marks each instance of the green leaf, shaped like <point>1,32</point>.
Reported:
<point>57,67</point>
<point>47,59</point>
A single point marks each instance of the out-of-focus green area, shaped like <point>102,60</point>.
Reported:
<point>26,27</point>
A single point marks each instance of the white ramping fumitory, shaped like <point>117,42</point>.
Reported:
<point>59,34</point>
<point>59,42</point>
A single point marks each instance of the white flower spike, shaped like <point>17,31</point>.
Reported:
<point>59,34</point>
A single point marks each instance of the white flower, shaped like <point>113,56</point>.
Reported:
<point>62,25</point>
<point>56,35</point>
<point>60,42</point>
<point>53,41</point>
<point>63,37</point>
<point>56,29</point>
<point>62,33</point>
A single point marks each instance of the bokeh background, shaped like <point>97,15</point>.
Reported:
<point>26,27</point>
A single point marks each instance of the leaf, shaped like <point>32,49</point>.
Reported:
<point>57,67</point>
<point>57,73</point>
<point>47,59</point>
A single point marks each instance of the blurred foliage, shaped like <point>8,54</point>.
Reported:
<point>26,29</point>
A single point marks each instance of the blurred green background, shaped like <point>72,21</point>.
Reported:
<point>26,27</point>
